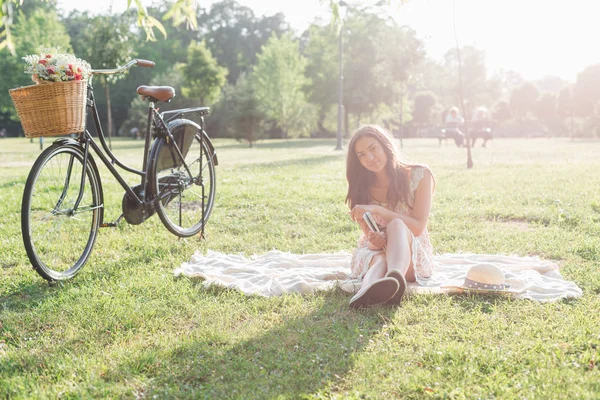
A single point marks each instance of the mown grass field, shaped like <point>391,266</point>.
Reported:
<point>125,328</point>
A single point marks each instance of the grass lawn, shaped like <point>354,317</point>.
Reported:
<point>125,328</point>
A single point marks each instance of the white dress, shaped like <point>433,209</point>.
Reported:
<point>422,250</point>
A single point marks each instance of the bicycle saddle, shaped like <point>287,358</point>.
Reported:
<point>156,93</point>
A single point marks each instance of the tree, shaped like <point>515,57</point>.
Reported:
<point>278,81</point>
<point>398,54</point>
<point>551,84</point>
<point>235,36</point>
<point>362,89</point>
<point>507,82</point>
<point>181,11</point>
<point>545,110</point>
<point>110,44</point>
<point>204,77</point>
<point>502,112</point>
<point>430,76</point>
<point>33,28</point>
<point>382,55</point>
<point>586,92</point>
<point>424,103</point>
<point>321,53</point>
<point>523,99</point>
<point>564,102</point>
<point>476,89</point>
<point>245,115</point>
<point>564,109</point>
<point>137,115</point>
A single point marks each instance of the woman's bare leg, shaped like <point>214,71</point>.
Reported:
<point>399,249</point>
<point>376,271</point>
<point>375,288</point>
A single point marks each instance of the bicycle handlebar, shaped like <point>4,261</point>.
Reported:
<point>141,63</point>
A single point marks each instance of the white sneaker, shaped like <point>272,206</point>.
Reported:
<point>397,298</point>
<point>377,292</point>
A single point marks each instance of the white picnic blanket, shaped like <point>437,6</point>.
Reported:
<point>276,273</point>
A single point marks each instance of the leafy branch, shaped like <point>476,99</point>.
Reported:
<point>182,11</point>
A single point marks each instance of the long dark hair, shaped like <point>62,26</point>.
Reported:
<point>360,179</point>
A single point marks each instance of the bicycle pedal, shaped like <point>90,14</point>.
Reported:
<point>109,225</point>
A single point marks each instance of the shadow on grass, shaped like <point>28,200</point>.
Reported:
<point>23,292</point>
<point>299,357</point>
<point>486,303</point>
<point>302,356</point>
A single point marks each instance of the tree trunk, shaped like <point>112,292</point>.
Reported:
<point>346,133</point>
<point>401,126</point>
<point>250,135</point>
<point>322,129</point>
<point>108,112</point>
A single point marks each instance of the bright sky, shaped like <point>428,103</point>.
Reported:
<point>533,37</point>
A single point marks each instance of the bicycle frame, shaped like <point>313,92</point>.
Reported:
<point>156,129</point>
<point>176,181</point>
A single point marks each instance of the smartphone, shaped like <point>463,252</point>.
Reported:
<point>370,221</point>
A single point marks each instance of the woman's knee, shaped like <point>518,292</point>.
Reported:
<point>397,230</point>
<point>397,225</point>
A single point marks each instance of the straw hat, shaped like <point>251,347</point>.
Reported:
<point>486,278</point>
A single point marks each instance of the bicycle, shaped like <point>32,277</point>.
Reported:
<point>63,200</point>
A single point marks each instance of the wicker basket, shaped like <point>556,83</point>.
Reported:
<point>51,109</point>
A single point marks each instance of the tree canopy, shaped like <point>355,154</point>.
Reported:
<point>256,70</point>
<point>279,83</point>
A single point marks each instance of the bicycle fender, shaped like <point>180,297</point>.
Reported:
<point>173,124</point>
<point>66,141</point>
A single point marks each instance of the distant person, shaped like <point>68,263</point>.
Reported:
<point>481,116</point>
<point>398,196</point>
<point>135,133</point>
<point>452,124</point>
<point>481,126</point>
<point>3,133</point>
<point>453,118</point>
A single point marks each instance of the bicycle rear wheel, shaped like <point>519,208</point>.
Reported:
<point>58,237</point>
<point>182,196</point>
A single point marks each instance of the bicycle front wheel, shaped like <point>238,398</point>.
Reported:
<point>60,217</point>
<point>185,196</point>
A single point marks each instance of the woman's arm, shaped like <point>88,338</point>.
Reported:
<point>363,226</point>
<point>417,220</point>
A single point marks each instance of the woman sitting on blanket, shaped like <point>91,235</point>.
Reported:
<point>398,195</point>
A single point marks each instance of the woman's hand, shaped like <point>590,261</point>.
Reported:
<point>358,210</point>
<point>377,240</point>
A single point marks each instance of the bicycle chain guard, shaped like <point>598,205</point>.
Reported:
<point>133,212</point>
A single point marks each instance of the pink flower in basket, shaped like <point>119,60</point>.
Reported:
<point>53,65</point>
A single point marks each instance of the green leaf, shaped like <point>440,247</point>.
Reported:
<point>154,23</point>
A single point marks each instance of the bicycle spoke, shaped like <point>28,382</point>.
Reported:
<point>190,191</point>
<point>81,210</point>
<point>182,208</point>
<point>57,237</point>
